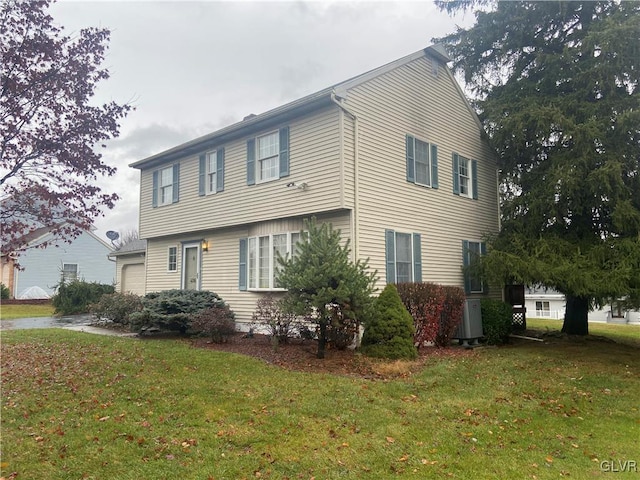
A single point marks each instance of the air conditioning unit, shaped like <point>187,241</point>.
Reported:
<point>471,327</point>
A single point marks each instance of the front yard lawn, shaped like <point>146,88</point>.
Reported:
<point>629,334</point>
<point>76,405</point>
<point>11,312</point>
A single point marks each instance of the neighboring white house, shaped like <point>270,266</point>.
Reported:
<point>544,303</point>
<point>395,158</point>
<point>548,303</point>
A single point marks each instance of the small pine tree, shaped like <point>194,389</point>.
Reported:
<point>389,333</point>
<point>324,285</point>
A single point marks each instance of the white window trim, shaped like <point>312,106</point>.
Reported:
<point>395,254</point>
<point>161,186</point>
<point>169,270</point>
<point>415,162</point>
<point>207,173</point>
<point>272,262</point>
<point>469,176</point>
<point>258,170</point>
<point>64,272</point>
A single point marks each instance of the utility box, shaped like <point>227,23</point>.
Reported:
<point>471,327</point>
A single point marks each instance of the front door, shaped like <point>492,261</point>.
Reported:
<point>191,267</point>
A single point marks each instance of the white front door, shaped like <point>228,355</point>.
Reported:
<point>191,266</point>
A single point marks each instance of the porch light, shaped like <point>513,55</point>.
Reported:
<point>205,246</point>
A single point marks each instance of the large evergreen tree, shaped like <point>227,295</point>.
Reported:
<point>556,86</point>
<point>324,285</point>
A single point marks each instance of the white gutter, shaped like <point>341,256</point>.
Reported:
<point>355,229</point>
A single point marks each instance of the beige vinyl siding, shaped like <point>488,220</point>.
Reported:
<point>7,273</point>
<point>411,100</point>
<point>349,148</point>
<point>314,159</point>
<point>220,264</point>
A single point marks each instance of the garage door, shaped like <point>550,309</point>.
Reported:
<point>133,278</point>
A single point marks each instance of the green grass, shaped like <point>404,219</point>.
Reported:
<point>76,405</point>
<point>11,312</point>
<point>629,334</point>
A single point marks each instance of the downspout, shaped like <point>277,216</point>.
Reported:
<point>356,183</point>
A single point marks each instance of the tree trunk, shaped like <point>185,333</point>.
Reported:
<point>576,317</point>
<point>322,339</point>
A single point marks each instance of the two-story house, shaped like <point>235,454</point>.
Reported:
<point>395,158</point>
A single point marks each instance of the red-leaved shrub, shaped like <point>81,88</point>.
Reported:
<point>451,314</point>
<point>436,311</point>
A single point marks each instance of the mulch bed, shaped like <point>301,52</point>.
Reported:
<point>300,355</point>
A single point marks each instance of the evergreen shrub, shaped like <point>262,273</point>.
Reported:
<point>5,294</point>
<point>173,310</point>
<point>497,319</point>
<point>117,307</point>
<point>389,332</point>
<point>76,296</point>
<point>325,287</point>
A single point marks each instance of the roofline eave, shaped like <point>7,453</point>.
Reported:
<point>270,118</point>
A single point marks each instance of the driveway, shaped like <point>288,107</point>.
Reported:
<point>80,323</point>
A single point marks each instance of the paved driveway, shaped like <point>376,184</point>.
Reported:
<point>81,323</point>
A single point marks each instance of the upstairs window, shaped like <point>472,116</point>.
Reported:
<point>268,157</point>
<point>422,162</point>
<point>268,151</point>
<point>465,177</point>
<point>211,172</point>
<point>166,185</point>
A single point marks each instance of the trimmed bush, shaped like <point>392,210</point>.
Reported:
<point>76,296</point>
<point>389,332</point>
<point>451,316</point>
<point>117,307</point>
<point>173,310</point>
<point>280,324</point>
<point>497,319</point>
<point>218,322</point>
<point>5,294</point>
<point>425,303</point>
<point>436,311</point>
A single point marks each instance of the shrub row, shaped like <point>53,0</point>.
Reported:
<point>405,315</point>
<point>169,310</point>
<point>76,297</point>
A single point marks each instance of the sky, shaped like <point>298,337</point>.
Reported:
<point>191,68</point>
